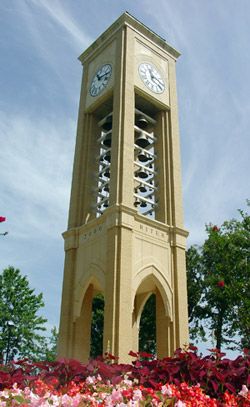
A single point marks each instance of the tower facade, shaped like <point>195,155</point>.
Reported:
<point>125,234</point>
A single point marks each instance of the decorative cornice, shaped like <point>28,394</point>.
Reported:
<point>128,20</point>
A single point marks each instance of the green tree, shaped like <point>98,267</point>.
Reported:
<point>97,326</point>
<point>20,324</point>
<point>219,284</point>
<point>147,332</point>
<point>47,347</point>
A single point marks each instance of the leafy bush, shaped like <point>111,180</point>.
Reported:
<point>214,379</point>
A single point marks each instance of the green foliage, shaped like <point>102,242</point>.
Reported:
<point>97,326</point>
<point>219,283</point>
<point>19,320</point>
<point>47,349</point>
<point>147,332</point>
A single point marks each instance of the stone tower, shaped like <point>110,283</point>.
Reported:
<point>125,234</point>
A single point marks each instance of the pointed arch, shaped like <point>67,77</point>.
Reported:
<point>145,281</point>
<point>94,276</point>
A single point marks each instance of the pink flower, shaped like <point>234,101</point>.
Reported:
<point>116,396</point>
<point>180,404</point>
<point>137,394</point>
<point>2,219</point>
<point>166,390</point>
<point>244,391</point>
<point>221,283</point>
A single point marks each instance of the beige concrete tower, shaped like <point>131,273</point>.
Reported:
<point>125,234</point>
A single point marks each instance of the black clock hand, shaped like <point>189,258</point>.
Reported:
<point>101,76</point>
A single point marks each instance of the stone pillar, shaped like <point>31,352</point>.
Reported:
<point>82,329</point>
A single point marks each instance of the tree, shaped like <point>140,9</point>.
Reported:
<point>47,349</point>
<point>219,284</point>
<point>97,326</point>
<point>19,320</point>
<point>147,332</point>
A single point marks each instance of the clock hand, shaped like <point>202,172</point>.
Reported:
<point>156,80</point>
<point>104,74</point>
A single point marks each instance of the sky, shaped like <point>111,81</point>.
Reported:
<point>40,78</point>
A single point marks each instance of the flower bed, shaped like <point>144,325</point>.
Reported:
<point>184,380</point>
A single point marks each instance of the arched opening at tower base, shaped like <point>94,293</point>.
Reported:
<point>147,330</point>
<point>97,324</point>
<point>152,318</point>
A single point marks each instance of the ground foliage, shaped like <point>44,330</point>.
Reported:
<point>217,376</point>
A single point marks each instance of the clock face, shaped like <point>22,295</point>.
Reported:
<point>100,80</point>
<point>151,77</point>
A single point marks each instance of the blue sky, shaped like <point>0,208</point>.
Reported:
<point>40,80</point>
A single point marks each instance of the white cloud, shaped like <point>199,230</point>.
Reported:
<point>36,160</point>
<point>60,15</point>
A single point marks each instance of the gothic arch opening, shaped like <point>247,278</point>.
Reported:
<point>153,328</point>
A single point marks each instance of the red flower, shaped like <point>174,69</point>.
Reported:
<point>221,283</point>
<point>2,219</point>
<point>215,228</point>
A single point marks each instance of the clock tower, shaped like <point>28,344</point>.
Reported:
<point>125,236</point>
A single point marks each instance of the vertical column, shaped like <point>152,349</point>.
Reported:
<point>180,290</point>
<point>162,329</point>
<point>66,318</point>
<point>118,304</point>
<point>162,167</point>
<point>82,329</point>
<point>123,123</point>
<point>174,147</point>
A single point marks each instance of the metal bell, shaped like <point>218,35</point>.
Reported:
<point>107,140</point>
<point>106,188</point>
<point>143,204</point>
<point>141,174</point>
<point>107,173</point>
<point>142,122</point>
<point>107,157</point>
<point>142,141</point>
<point>107,125</point>
<point>142,157</point>
<point>142,188</point>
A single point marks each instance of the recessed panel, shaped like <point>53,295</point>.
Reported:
<point>151,73</point>
<point>101,74</point>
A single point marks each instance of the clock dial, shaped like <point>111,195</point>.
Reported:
<point>151,78</point>
<point>100,80</point>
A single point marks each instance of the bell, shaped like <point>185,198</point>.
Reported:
<point>107,140</point>
<point>142,122</point>
<point>142,188</point>
<point>107,157</point>
<point>142,140</point>
<point>107,173</point>
<point>142,157</point>
<point>106,204</point>
<point>141,174</point>
<point>106,188</point>
<point>143,205</point>
<point>107,125</point>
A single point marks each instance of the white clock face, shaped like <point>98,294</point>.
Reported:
<point>151,78</point>
<point>100,80</point>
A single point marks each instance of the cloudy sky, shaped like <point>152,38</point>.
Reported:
<point>39,91</point>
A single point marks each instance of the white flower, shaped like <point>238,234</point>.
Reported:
<point>244,391</point>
